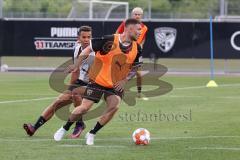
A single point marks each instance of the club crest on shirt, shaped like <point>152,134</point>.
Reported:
<point>89,92</point>
<point>165,38</point>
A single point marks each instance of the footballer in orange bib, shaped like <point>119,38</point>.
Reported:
<point>116,55</point>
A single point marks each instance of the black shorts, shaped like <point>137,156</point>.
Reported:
<point>78,83</point>
<point>95,91</point>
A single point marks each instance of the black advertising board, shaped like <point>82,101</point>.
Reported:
<point>164,39</point>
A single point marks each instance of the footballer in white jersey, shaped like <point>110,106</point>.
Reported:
<point>67,97</point>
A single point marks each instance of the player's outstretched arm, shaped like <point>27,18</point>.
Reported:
<point>85,53</point>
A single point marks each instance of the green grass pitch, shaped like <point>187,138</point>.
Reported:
<point>200,123</point>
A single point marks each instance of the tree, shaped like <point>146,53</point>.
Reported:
<point>164,8</point>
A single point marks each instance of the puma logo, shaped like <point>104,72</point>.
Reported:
<point>119,65</point>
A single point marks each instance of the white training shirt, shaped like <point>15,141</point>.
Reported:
<point>86,63</point>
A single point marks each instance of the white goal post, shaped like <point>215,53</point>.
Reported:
<point>97,9</point>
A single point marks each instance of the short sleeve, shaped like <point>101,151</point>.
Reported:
<point>121,28</point>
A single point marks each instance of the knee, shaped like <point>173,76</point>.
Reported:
<point>61,101</point>
<point>76,97</point>
<point>81,109</point>
<point>138,73</point>
<point>85,109</point>
<point>115,109</point>
<point>110,113</point>
<point>74,92</point>
<point>57,103</point>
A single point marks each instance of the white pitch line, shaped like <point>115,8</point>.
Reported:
<point>92,146</point>
<point>32,139</point>
<point>199,87</point>
<point>199,137</point>
<point>25,140</point>
<point>181,88</point>
<point>187,88</point>
<point>26,94</point>
<point>216,148</point>
<point>173,96</point>
<point>26,100</point>
<point>47,98</point>
<point>228,97</point>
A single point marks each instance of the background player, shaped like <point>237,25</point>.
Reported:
<point>77,80</point>
<point>137,14</point>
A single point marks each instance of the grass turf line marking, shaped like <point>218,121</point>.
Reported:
<point>199,87</point>
<point>27,100</point>
<point>92,146</point>
<point>181,88</point>
<point>215,148</point>
<point>14,139</point>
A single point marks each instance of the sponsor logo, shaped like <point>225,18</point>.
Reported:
<point>165,38</point>
<point>89,92</point>
<point>61,38</point>
<point>53,44</point>
<point>233,42</point>
<point>63,32</point>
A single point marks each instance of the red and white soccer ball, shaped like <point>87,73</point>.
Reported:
<point>4,68</point>
<point>141,136</point>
